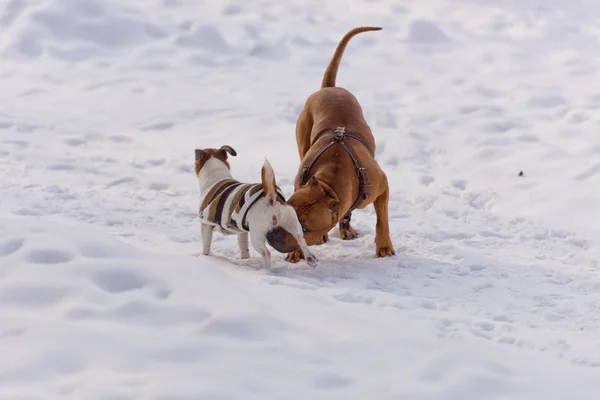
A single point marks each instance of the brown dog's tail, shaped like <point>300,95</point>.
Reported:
<point>268,182</point>
<point>332,68</point>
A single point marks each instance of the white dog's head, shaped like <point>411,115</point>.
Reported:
<point>203,155</point>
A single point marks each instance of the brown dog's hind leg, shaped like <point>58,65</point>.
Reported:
<point>347,232</point>
<point>383,243</point>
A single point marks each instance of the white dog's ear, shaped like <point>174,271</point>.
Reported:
<point>227,149</point>
<point>200,154</point>
<point>268,182</point>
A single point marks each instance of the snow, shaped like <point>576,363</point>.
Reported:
<point>495,289</point>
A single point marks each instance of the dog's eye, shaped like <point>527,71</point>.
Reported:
<point>304,229</point>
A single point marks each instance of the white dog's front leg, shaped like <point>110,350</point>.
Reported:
<point>292,225</point>
<point>206,231</point>
<point>311,259</point>
<point>243,244</point>
<point>259,243</point>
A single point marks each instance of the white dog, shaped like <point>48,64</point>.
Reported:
<point>233,207</point>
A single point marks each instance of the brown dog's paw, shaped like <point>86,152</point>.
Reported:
<point>324,240</point>
<point>385,251</point>
<point>347,232</point>
<point>294,256</point>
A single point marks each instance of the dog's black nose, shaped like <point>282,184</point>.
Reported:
<point>277,238</point>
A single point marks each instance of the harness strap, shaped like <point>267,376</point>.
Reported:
<point>340,135</point>
<point>245,217</point>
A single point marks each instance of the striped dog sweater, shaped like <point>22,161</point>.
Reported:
<point>226,204</point>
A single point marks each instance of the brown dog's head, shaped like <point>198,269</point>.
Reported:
<point>317,207</point>
<point>203,155</point>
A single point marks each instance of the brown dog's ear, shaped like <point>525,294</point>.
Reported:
<point>227,149</point>
<point>314,182</point>
<point>325,194</point>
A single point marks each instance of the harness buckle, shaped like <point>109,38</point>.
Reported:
<point>340,133</point>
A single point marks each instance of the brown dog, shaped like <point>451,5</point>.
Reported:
<point>338,172</point>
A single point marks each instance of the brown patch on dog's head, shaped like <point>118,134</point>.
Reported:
<point>318,209</point>
<point>203,155</point>
<point>281,240</point>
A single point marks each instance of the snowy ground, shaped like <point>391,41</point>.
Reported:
<point>495,289</point>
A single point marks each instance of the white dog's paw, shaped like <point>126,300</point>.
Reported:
<point>312,261</point>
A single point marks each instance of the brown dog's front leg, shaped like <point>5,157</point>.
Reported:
<point>323,240</point>
<point>383,243</point>
<point>295,256</point>
<point>346,230</point>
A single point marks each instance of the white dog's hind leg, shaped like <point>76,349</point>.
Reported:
<point>259,243</point>
<point>206,231</point>
<point>243,244</point>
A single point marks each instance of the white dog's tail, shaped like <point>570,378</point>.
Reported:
<point>268,182</point>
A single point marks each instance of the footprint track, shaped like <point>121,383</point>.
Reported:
<point>48,256</point>
<point>246,328</point>
<point>141,312</point>
<point>118,280</point>
<point>33,296</point>
<point>332,381</point>
<point>588,173</point>
<point>122,280</point>
<point>11,246</point>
